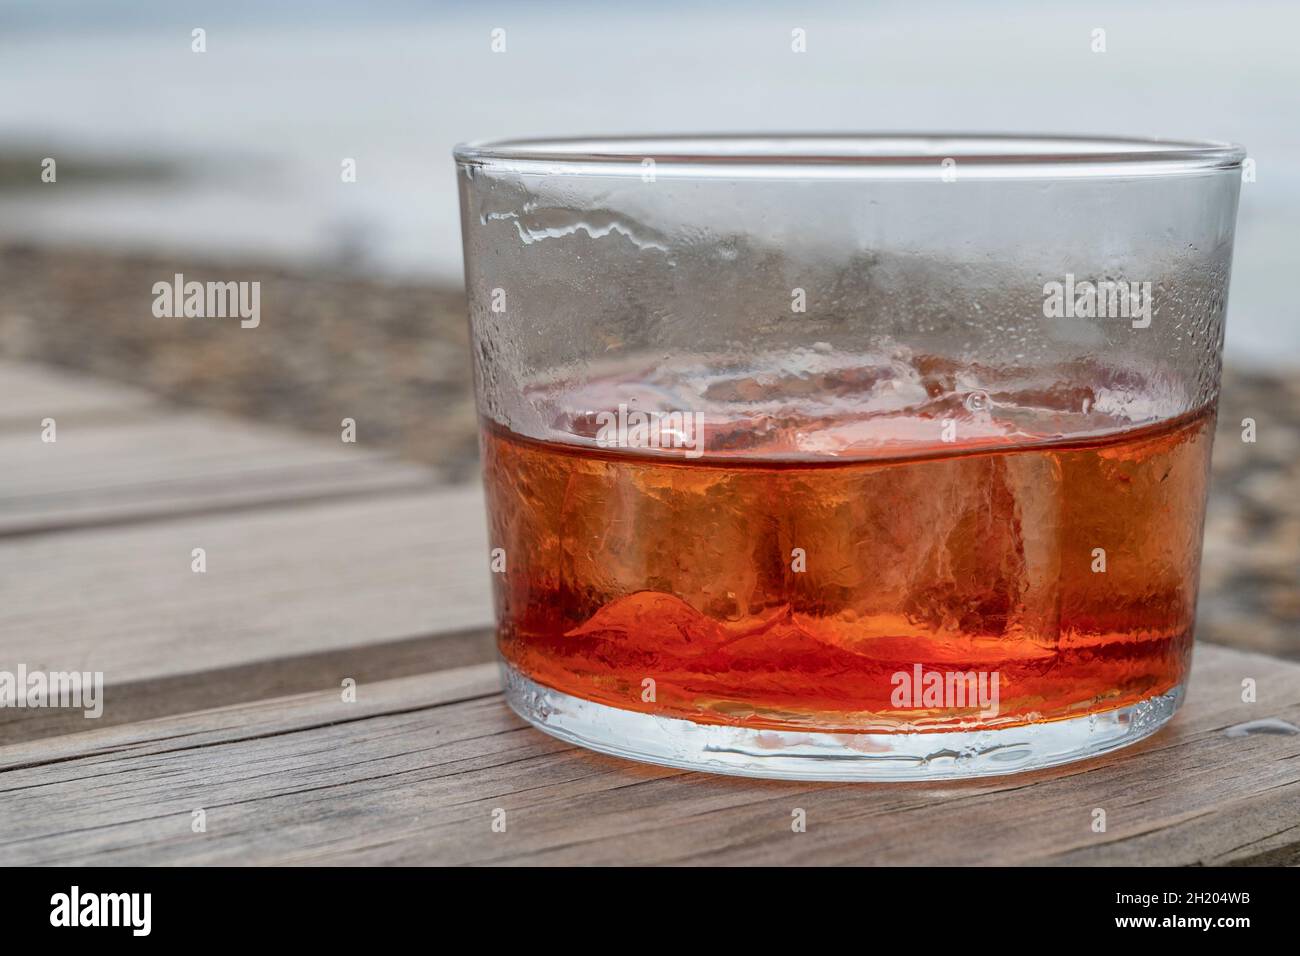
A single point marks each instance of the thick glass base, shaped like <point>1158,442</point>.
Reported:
<point>799,755</point>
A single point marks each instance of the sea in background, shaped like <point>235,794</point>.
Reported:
<point>238,150</point>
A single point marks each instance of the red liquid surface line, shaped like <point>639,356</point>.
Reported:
<point>674,586</point>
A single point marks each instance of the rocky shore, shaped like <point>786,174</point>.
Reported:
<point>394,356</point>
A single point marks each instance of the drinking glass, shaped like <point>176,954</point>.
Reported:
<point>847,457</point>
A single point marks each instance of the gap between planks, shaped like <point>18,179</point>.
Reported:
<point>324,559</point>
<point>177,463</point>
<point>412,771</point>
<point>290,599</point>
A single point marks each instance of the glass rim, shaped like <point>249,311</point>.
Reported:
<point>857,155</point>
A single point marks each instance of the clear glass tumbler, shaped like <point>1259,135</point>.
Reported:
<point>847,457</point>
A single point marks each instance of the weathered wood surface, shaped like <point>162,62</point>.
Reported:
<point>413,770</point>
<point>317,551</point>
<point>223,692</point>
<point>33,393</point>
<point>279,583</point>
<point>124,458</point>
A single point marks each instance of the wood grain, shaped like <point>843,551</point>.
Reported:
<point>364,579</point>
<point>108,471</point>
<point>412,772</point>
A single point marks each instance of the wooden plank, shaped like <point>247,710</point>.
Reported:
<point>289,597</point>
<point>106,472</point>
<point>412,772</point>
<point>255,681</point>
<point>31,392</point>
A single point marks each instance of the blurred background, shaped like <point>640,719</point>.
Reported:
<point>226,164</point>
